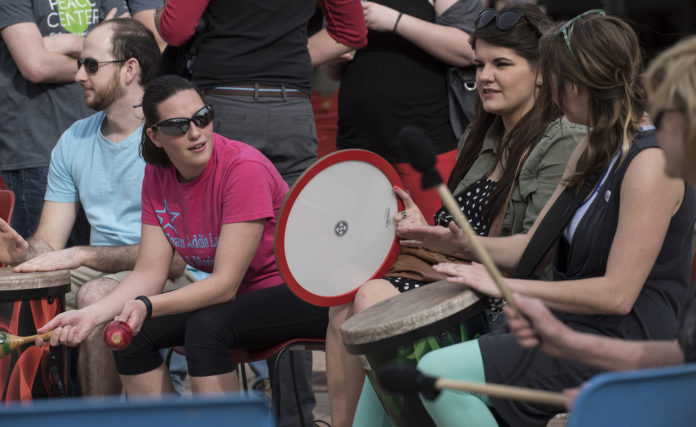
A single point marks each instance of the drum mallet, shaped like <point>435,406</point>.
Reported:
<point>421,155</point>
<point>409,380</point>
<point>9,342</point>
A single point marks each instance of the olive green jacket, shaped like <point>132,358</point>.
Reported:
<point>539,175</point>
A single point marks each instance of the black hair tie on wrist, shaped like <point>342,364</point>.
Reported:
<point>396,24</point>
<point>148,305</point>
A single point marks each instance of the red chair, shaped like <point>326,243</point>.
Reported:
<point>7,201</point>
<point>242,356</point>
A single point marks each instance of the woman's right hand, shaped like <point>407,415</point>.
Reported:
<point>69,328</point>
<point>446,240</point>
<point>133,313</point>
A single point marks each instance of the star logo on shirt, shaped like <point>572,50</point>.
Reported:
<point>167,217</point>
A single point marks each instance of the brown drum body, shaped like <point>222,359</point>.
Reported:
<point>27,301</point>
<point>402,329</point>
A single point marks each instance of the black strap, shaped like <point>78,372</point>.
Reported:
<point>551,227</point>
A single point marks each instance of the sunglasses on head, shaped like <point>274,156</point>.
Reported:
<point>567,28</point>
<point>92,65</point>
<point>180,125</point>
<point>504,21</point>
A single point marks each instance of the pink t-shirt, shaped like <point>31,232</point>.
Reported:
<point>238,184</point>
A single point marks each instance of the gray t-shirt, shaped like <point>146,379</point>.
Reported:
<point>35,115</point>
<point>136,6</point>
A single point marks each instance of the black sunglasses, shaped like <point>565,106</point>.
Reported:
<point>504,21</point>
<point>92,65</point>
<point>180,125</point>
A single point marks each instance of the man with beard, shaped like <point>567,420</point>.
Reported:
<point>97,163</point>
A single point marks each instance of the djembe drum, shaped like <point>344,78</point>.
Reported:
<point>28,301</point>
<point>402,329</point>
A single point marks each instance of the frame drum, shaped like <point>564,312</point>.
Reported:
<point>28,301</point>
<point>336,229</point>
<point>401,329</point>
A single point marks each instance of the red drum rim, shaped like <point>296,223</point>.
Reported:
<point>322,164</point>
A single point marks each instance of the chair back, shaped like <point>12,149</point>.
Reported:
<point>647,397</point>
<point>170,411</point>
<point>7,201</point>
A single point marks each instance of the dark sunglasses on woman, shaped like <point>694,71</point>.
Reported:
<point>180,125</point>
<point>504,21</point>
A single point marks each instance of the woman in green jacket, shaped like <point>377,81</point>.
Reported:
<point>510,161</point>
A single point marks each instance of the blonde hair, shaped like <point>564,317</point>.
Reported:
<point>603,56</point>
<point>671,81</point>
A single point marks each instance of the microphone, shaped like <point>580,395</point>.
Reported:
<point>409,380</point>
<point>420,153</point>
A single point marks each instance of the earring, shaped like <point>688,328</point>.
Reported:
<point>539,82</point>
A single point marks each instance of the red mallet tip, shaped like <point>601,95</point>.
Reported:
<point>118,335</point>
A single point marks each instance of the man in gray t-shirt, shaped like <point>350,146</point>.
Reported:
<point>39,43</point>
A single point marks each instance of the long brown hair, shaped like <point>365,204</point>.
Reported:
<point>604,58</point>
<point>523,38</point>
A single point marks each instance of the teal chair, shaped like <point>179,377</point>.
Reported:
<point>648,397</point>
<point>232,409</point>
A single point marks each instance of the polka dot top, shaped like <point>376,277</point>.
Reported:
<point>472,201</point>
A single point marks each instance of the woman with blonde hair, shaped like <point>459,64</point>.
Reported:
<point>671,86</point>
<point>621,264</point>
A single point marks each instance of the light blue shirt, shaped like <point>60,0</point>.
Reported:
<point>104,176</point>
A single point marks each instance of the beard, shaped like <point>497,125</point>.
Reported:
<point>103,98</point>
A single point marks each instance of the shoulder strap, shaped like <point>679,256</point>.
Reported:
<point>551,227</point>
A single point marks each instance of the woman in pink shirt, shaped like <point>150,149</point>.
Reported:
<point>214,201</point>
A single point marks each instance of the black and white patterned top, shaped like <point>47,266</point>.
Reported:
<point>472,201</point>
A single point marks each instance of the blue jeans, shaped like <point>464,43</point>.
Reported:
<point>29,186</point>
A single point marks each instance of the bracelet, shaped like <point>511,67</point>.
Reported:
<point>396,23</point>
<point>148,305</point>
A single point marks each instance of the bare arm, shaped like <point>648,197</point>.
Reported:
<point>65,44</point>
<point>649,199</point>
<point>147,278</point>
<point>541,328</point>
<point>35,62</point>
<point>147,18</point>
<point>323,48</point>
<point>46,247</point>
<point>505,251</point>
<point>448,44</point>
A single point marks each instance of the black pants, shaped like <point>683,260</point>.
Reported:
<point>254,320</point>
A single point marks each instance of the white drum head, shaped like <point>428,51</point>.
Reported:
<point>336,227</point>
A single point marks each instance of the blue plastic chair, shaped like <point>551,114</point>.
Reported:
<point>171,411</point>
<point>648,397</point>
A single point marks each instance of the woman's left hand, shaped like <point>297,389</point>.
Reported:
<point>411,215</point>
<point>474,275</point>
<point>133,313</point>
<point>379,17</point>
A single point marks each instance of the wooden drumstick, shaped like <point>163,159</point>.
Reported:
<point>408,379</point>
<point>9,342</point>
<point>421,155</point>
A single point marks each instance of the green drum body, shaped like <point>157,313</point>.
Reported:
<point>402,329</point>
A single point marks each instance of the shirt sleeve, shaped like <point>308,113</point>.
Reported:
<point>148,215</point>
<point>248,193</point>
<point>548,161</point>
<point>15,12</point>
<point>345,21</point>
<point>136,6</point>
<point>60,182</point>
<point>462,15</point>
<point>179,20</point>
